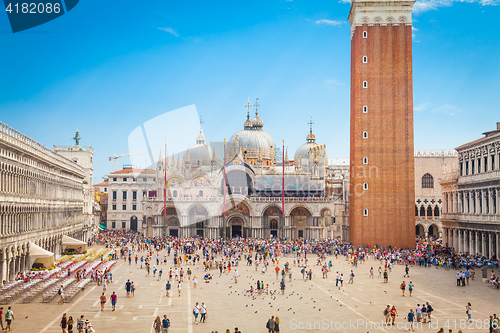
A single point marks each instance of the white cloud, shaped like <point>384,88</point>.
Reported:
<point>345,1</point>
<point>447,109</point>
<point>334,82</point>
<point>421,107</point>
<point>329,22</point>
<point>170,31</point>
<point>426,5</point>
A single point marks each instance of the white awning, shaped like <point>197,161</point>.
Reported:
<point>69,242</point>
<point>38,254</point>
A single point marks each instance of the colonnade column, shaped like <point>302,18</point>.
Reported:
<point>470,242</point>
<point>490,244</point>
<point>476,242</point>
<point>483,243</point>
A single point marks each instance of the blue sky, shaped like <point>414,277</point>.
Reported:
<point>107,67</point>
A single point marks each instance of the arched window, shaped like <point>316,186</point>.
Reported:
<point>427,181</point>
<point>436,212</point>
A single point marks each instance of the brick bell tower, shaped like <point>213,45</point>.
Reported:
<point>382,184</point>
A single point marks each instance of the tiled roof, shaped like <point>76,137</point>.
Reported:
<point>136,171</point>
<point>104,183</point>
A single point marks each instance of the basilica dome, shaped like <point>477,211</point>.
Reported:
<point>200,154</point>
<point>303,151</point>
<point>253,141</point>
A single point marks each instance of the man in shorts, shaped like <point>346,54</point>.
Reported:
<point>113,300</point>
<point>165,324</point>
<point>196,312</point>
<point>9,316</point>
<point>168,287</point>
<point>127,287</point>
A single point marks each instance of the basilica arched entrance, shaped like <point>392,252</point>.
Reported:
<point>301,219</point>
<point>270,221</point>
<point>171,224</point>
<point>237,220</point>
<point>236,227</point>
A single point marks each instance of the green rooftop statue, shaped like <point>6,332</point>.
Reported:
<point>77,138</point>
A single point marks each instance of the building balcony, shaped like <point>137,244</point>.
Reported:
<point>483,218</point>
<point>479,177</point>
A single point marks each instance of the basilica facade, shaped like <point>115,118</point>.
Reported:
<point>249,191</point>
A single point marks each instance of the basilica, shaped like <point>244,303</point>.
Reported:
<point>249,191</point>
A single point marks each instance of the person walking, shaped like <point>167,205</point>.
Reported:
<point>165,324</point>
<point>103,301</point>
<point>394,313</point>
<point>235,275</point>
<point>270,325</point>
<point>70,324</point>
<point>9,317</point>
<point>179,288</point>
<point>387,314</point>
<point>127,288</point>
<point>1,318</point>
<point>351,277</point>
<point>203,312</point>
<point>195,281</point>
<point>80,325</point>
<point>132,289</point>
<point>468,310</point>
<point>113,300</point>
<point>403,287</point>
<point>60,292</point>
<point>157,324</point>
<point>411,317</point>
<point>64,323</point>
<point>277,324</point>
<point>196,312</point>
<point>429,311</point>
<point>168,286</point>
<point>410,287</point>
<point>282,286</point>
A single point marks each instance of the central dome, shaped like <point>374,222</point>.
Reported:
<point>254,142</point>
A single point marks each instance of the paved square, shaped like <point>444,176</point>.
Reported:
<point>359,307</point>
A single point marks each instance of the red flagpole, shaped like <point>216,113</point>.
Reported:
<point>224,204</point>
<point>165,191</point>
<point>283,191</point>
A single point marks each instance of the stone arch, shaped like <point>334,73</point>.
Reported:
<point>378,19</point>
<point>419,230</point>
<point>242,207</point>
<point>433,230</point>
<point>271,210</point>
<point>289,213</point>
<point>390,19</point>
<point>402,19</point>
<point>365,20</point>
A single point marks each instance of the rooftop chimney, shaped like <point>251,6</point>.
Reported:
<point>498,126</point>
